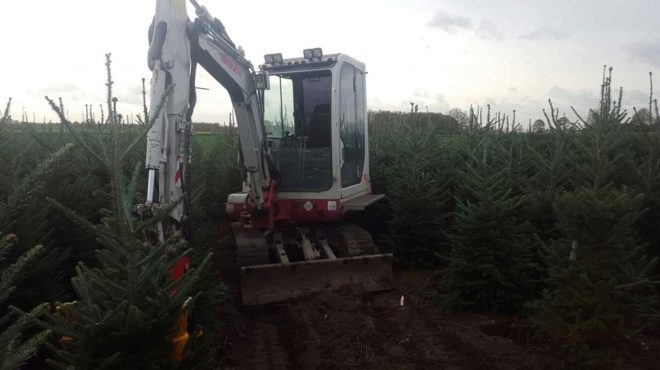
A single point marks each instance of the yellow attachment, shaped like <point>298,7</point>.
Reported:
<point>180,336</point>
<point>64,312</point>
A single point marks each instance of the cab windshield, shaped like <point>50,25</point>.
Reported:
<point>297,120</point>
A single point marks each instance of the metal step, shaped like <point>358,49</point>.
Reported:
<point>360,203</point>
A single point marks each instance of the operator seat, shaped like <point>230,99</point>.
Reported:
<point>319,129</point>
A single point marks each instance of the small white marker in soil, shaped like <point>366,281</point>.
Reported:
<point>402,301</point>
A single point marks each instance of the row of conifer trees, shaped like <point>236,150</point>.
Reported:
<point>83,286</point>
<point>559,226</point>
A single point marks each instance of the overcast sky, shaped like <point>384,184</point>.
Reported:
<point>441,54</point>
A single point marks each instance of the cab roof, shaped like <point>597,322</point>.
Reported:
<point>293,64</point>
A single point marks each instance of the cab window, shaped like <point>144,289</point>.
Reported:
<point>351,123</point>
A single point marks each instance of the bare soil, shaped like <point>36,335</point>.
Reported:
<point>396,329</point>
<point>351,329</point>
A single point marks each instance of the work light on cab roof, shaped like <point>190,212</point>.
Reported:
<point>273,58</point>
<point>313,54</point>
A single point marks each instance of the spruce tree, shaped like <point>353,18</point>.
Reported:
<point>17,342</point>
<point>493,264</point>
<point>414,167</point>
<point>648,183</point>
<point>548,173</point>
<point>599,285</point>
<point>30,171</point>
<point>126,305</point>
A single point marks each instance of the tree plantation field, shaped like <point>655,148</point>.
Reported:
<point>513,249</point>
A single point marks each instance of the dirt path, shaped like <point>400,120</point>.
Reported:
<point>350,329</point>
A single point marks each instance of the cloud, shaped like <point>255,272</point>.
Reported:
<point>131,95</point>
<point>64,89</point>
<point>487,30</point>
<point>377,104</point>
<point>434,102</point>
<point>421,93</point>
<point>513,89</point>
<point>533,102</point>
<point>635,97</point>
<point>452,24</point>
<point>439,104</point>
<point>581,100</point>
<point>73,96</point>
<point>645,51</point>
<point>545,34</point>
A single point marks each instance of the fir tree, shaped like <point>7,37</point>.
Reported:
<point>17,342</point>
<point>493,264</point>
<point>548,173</point>
<point>126,305</point>
<point>417,178</point>
<point>31,171</point>
<point>17,346</point>
<point>599,285</point>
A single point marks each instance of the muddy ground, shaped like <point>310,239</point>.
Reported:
<point>352,329</point>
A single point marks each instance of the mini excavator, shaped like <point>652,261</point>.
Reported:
<point>302,126</point>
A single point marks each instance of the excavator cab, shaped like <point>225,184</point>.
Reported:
<point>316,108</point>
<point>315,121</point>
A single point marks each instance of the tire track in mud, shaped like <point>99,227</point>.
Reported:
<point>415,334</point>
<point>272,338</point>
<point>255,339</point>
<point>268,351</point>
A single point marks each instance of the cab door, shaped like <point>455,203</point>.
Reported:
<point>352,126</point>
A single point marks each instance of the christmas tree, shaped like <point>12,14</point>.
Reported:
<point>17,343</point>
<point>599,287</point>
<point>126,304</point>
<point>493,263</point>
<point>18,339</point>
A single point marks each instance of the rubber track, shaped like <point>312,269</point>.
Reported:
<point>357,240</point>
<point>268,352</point>
<point>251,247</point>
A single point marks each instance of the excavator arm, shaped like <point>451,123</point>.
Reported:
<point>177,46</point>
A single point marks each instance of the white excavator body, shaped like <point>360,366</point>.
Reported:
<point>302,124</point>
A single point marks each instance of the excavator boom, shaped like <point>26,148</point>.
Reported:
<point>177,46</point>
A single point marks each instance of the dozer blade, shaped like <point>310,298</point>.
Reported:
<point>278,282</point>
